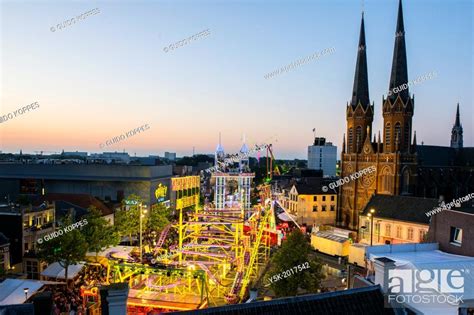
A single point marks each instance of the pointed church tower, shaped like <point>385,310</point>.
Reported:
<point>359,112</point>
<point>456,133</point>
<point>398,107</point>
<point>244,157</point>
<point>219,155</point>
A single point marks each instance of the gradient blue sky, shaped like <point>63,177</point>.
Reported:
<point>108,73</point>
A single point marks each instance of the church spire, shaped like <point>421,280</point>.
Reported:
<point>456,132</point>
<point>399,75</point>
<point>458,120</point>
<point>360,91</point>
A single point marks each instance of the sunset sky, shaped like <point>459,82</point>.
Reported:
<point>108,74</point>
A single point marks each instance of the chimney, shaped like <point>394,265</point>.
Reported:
<point>382,265</point>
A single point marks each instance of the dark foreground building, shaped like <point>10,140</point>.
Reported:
<point>367,301</point>
<point>454,230</point>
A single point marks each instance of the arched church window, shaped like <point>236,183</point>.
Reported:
<point>406,181</point>
<point>406,136</point>
<point>397,132</point>
<point>359,135</point>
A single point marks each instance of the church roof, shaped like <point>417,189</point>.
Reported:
<point>431,155</point>
<point>401,208</point>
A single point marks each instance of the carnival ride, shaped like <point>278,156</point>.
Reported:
<point>269,164</point>
<point>219,253</point>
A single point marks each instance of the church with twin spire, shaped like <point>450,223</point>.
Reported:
<point>402,166</point>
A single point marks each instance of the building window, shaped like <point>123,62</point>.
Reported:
<point>315,198</point>
<point>422,234</point>
<point>388,230</point>
<point>32,270</point>
<point>410,234</point>
<point>399,231</point>
<point>350,140</point>
<point>332,198</point>
<point>333,208</point>
<point>323,208</point>
<point>324,198</point>
<point>406,181</point>
<point>387,135</point>
<point>456,235</point>
<point>386,180</point>
<point>315,208</point>
<point>377,228</point>
<point>359,135</point>
<point>397,132</point>
<point>406,135</point>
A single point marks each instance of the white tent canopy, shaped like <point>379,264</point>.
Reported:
<point>55,270</point>
<point>11,290</point>
<point>286,217</point>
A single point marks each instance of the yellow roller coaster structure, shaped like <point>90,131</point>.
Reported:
<point>218,255</point>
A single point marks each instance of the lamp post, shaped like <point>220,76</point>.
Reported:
<point>371,216</point>
<point>26,293</point>
<point>142,214</point>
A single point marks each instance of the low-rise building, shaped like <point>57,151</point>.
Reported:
<point>310,203</point>
<point>421,279</point>
<point>395,219</point>
<point>4,252</point>
<point>453,230</point>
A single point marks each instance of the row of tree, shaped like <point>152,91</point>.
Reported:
<point>97,235</point>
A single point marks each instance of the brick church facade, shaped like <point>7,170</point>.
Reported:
<point>402,166</point>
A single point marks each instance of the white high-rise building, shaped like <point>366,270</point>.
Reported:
<point>322,156</point>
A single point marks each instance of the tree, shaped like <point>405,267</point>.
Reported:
<point>127,219</point>
<point>98,233</point>
<point>294,252</point>
<point>158,218</point>
<point>68,248</point>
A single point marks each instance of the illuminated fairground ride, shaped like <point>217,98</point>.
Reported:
<point>220,252</point>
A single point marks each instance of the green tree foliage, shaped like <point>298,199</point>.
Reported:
<point>67,249</point>
<point>158,218</point>
<point>294,251</point>
<point>98,233</point>
<point>127,219</point>
<point>194,160</point>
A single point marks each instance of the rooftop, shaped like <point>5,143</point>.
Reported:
<point>401,208</point>
<point>367,301</point>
